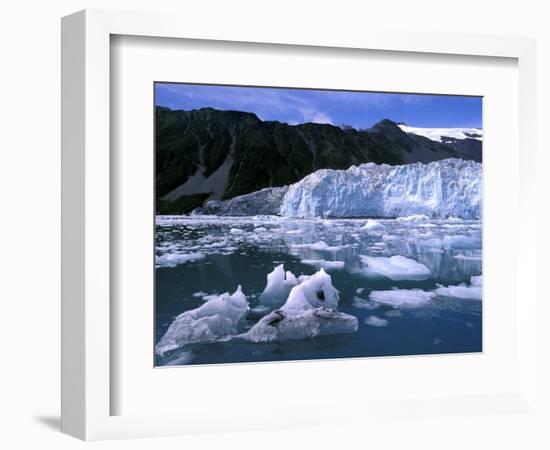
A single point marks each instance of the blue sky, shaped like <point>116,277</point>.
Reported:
<point>358,109</point>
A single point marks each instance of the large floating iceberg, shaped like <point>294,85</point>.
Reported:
<point>309,311</point>
<point>215,320</point>
<point>446,188</point>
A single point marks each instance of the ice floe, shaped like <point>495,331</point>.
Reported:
<point>215,320</point>
<point>361,303</point>
<point>310,323</point>
<point>394,267</point>
<point>374,321</point>
<point>327,265</point>
<point>320,245</point>
<point>462,291</point>
<point>402,298</point>
<point>174,259</point>
<point>373,225</point>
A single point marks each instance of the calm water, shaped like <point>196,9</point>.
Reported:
<point>211,255</point>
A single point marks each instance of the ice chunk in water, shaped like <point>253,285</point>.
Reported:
<point>373,225</point>
<point>376,321</point>
<point>395,267</point>
<point>472,292</point>
<point>407,298</point>
<point>476,280</point>
<point>308,312</point>
<point>278,286</point>
<point>284,325</point>
<point>312,293</point>
<point>174,259</point>
<point>320,245</point>
<point>328,265</point>
<point>360,303</point>
<point>215,320</point>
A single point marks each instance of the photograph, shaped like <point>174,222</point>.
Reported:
<point>297,224</point>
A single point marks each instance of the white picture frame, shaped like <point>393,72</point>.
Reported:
<point>86,220</point>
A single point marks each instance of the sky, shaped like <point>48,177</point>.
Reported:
<point>357,109</point>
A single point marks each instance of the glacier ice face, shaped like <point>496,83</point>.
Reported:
<point>446,188</point>
<point>309,311</point>
<point>215,320</point>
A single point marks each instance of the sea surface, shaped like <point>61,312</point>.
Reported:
<point>200,256</point>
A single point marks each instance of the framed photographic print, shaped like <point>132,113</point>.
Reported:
<point>246,209</point>
<point>297,224</point>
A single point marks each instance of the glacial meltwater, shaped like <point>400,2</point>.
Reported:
<point>404,286</point>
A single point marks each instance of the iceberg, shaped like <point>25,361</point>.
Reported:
<point>215,320</point>
<point>279,285</point>
<point>314,292</point>
<point>450,187</point>
<point>396,268</point>
<point>405,298</point>
<point>309,311</point>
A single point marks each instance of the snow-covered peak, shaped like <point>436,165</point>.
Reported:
<point>440,134</point>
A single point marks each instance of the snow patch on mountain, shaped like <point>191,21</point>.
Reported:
<point>444,135</point>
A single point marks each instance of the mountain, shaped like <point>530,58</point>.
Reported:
<point>218,155</point>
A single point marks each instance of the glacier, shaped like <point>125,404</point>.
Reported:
<point>442,189</point>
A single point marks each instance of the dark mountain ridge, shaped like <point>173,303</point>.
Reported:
<point>209,153</point>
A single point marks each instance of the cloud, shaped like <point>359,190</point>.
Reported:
<point>310,114</point>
